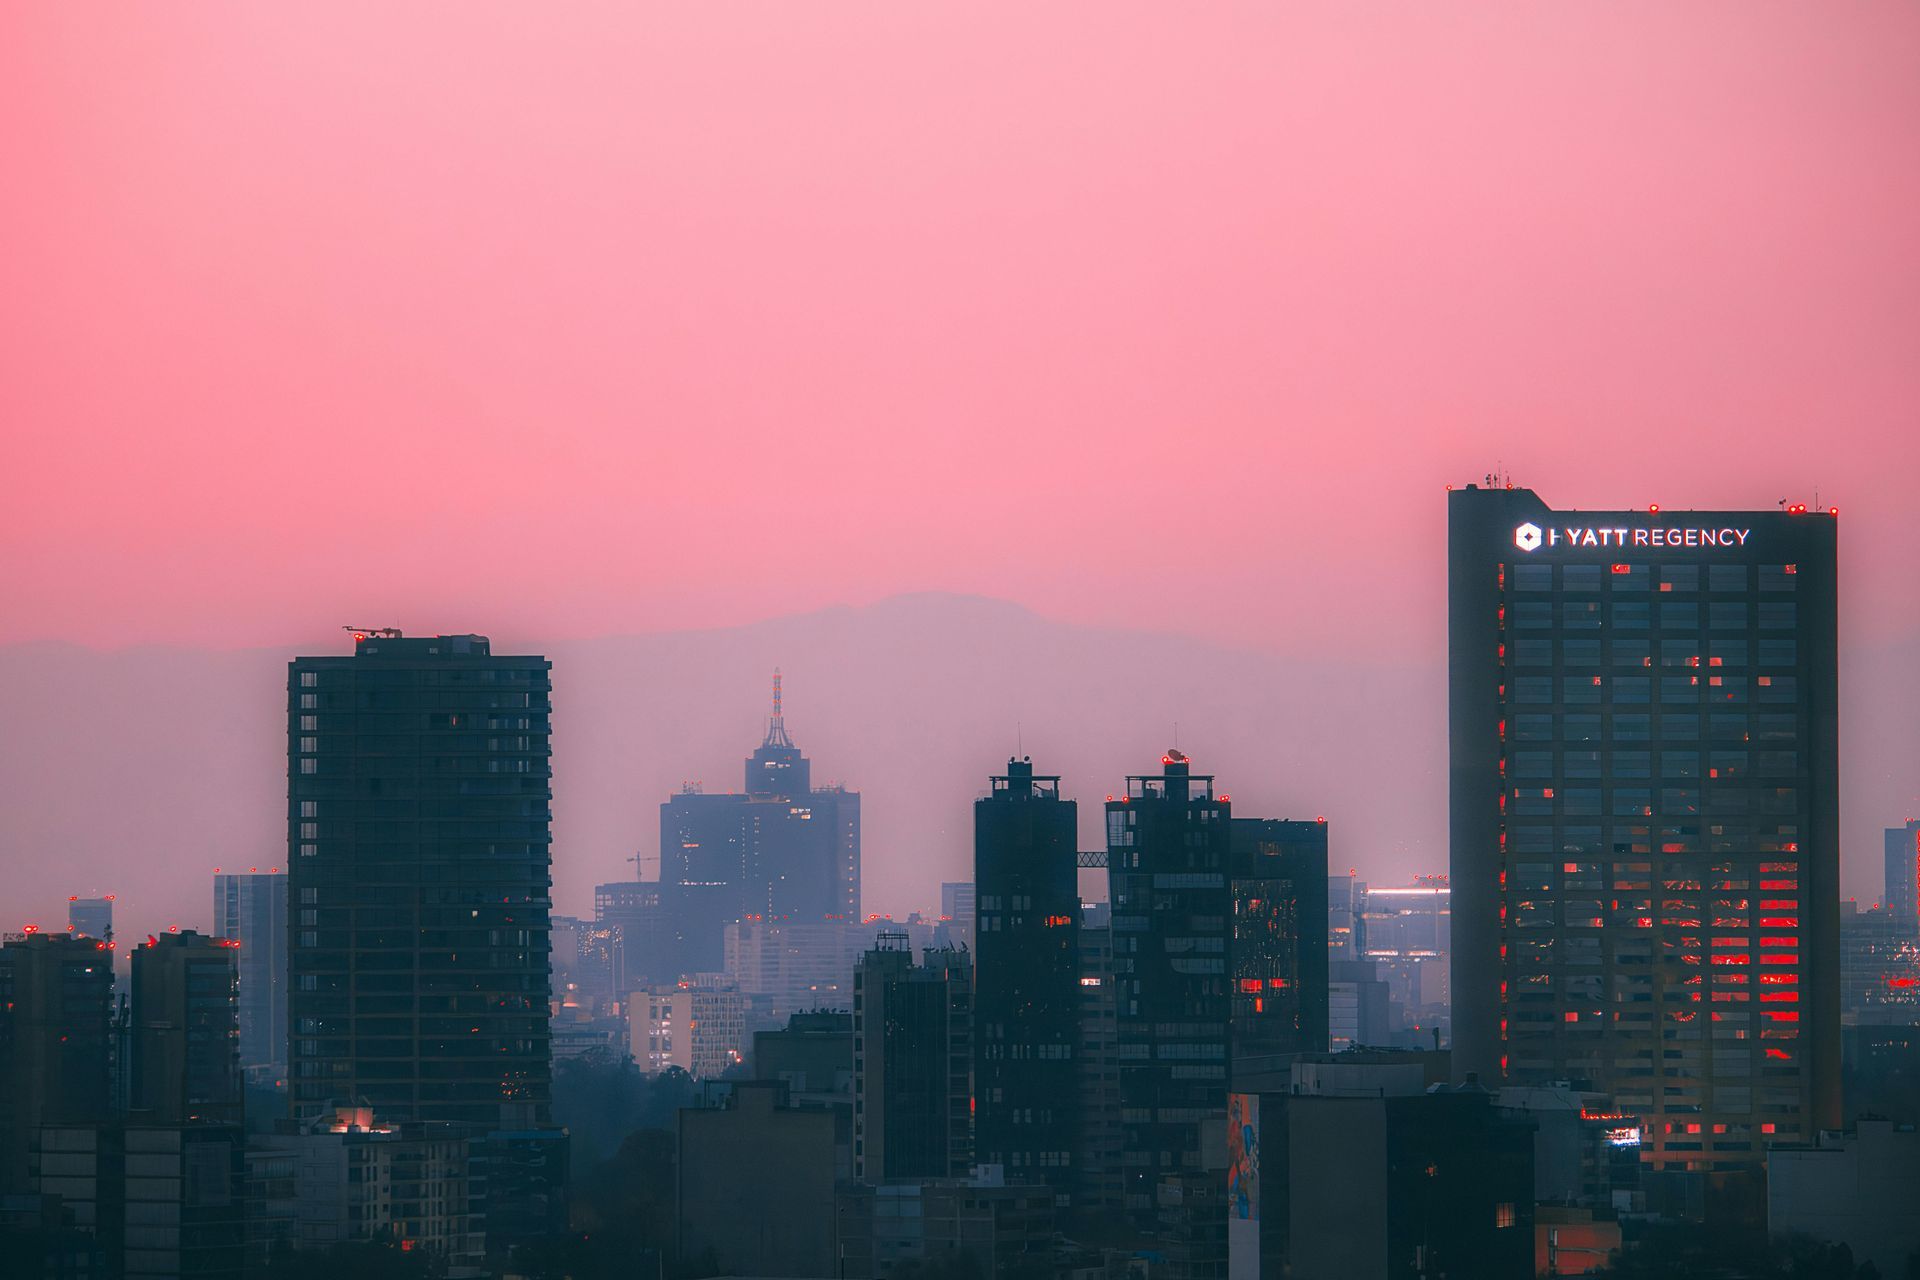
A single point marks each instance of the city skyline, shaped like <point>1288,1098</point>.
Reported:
<point>199,777</point>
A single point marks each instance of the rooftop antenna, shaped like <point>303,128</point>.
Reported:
<point>777,727</point>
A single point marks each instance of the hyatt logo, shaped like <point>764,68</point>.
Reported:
<point>1527,537</point>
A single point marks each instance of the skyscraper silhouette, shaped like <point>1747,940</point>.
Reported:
<point>1645,837</point>
<point>1026,977</point>
<point>418,832</point>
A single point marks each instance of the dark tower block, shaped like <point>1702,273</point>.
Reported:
<point>1168,852</point>
<point>1644,816</point>
<point>419,805</point>
<point>1026,978</point>
<point>1279,945</point>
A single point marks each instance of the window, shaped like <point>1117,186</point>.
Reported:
<point>1531,653</point>
<point>1630,615</point>
<point>1629,651</point>
<point>1679,577</point>
<point>1777,653</point>
<point>1533,728</point>
<point>1533,577</point>
<point>309,808</point>
<point>1779,577</point>
<point>1580,653</point>
<point>1580,689</point>
<point>308,679</point>
<point>1580,577</point>
<point>1632,689</point>
<point>1727,577</point>
<point>1679,615</point>
<point>1580,728</point>
<point>1632,764</point>
<point>1580,615</point>
<point>1727,615</point>
<point>1777,615</point>
<point>1632,727</point>
<point>1536,689</point>
<point>309,765</point>
<point>1679,728</point>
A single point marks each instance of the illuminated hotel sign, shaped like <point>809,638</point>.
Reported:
<point>1531,537</point>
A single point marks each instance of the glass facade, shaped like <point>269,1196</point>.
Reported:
<point>1168,850</point>
<point>1026,977</point>
<point>1643,800</point>
<point>419,886</point>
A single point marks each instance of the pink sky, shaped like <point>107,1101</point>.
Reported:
<point>598,318</point>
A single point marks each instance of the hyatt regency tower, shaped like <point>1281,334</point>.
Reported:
<point>1644,817</point>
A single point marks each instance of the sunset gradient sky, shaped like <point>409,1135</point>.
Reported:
<point>556,322</point>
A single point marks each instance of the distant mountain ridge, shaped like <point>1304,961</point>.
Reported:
<point>138,771</point>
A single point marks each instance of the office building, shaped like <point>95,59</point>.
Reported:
<point>1644,817</point>
<point>812,1055</point>
<point>649,953</point>
<point>186,1031</point>
<point>91,917</point>
<point>352,1176</point>
<point>792,968</point>
<point>975,1226</point>
<point>56,1008</point>
<point>1852,1188</point>
<point>1344,896</point>
<point>164,1201</point>
<point>250,908</point>
<point>1406,931</point>
<point>957,910</point>
<point>912,1063</point>
<point>698,1026</point>
<point>418,829</point>
<point>1903,871</point>
<point>1278,949</point>
<point>756,1184</point>
<point>1168,854</point>
<point>1359,1006</point>
<point>1361,1169</point>
<point>1026,977</point>
<point>780,851</point>
<point>1096,1157</point>
<point>1879,967</point>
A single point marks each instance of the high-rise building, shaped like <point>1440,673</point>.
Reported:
<point>1879,968</point>
<point>1026,977</point>
<point>1903,871</point>
<point>648,955</point>
<point>418,829</point>
<point>1168,857</point>
<point>783,850</point>
<point>251,909</point>
<point>1406,931</point>
<point>699,1026</point>
<point>957,908</point>
<point>1644,821</point>
<point>1096,1157</point>
<point>56,1009</point>
<point>91,917</point>
<point>186,1030</point>
<point>1344,896</point>
<point>1278,948</point>
<point>912,1063</point>
<point>793,968</point>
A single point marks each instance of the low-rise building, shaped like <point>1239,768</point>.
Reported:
<point>1858,1189</point>
<point>756,1184</point>
<point>699,1026</point>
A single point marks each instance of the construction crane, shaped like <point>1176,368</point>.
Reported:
<point>378,633</point>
